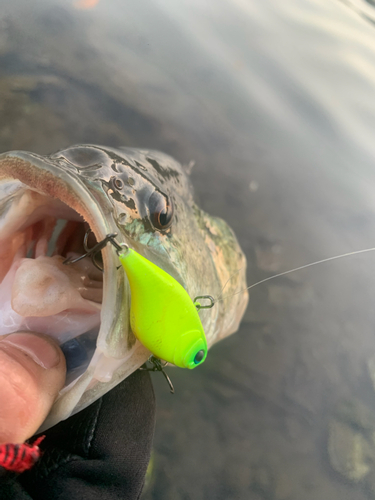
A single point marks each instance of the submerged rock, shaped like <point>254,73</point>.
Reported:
<point>350,455</point>
<point>351,444</point>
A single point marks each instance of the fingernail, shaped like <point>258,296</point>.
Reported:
<point>41,350</point>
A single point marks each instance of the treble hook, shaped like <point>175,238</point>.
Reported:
<point>92,252</point>
<point>158,366</point>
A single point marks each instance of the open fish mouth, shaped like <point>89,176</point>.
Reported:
<point>48,205</point>
<point>45,213</point>
<point>43,221</point>
<point>38,291</point>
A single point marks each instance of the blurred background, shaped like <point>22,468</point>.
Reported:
<point>275,103</point>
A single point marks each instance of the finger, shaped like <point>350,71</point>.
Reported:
<point>32,372</point>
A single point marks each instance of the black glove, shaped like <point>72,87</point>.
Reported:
<point>101,453</point>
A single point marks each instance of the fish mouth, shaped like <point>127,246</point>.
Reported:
<point>45,211</point>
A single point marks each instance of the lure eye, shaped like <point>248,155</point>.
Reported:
<point>199,356</point>
<point>161,211</point>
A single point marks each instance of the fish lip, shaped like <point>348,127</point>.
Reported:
<point>20,163</point>
<point>57,178</point>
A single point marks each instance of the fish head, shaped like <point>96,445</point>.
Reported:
<point>49,203</point>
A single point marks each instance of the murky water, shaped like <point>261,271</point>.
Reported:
<point>275,102</point>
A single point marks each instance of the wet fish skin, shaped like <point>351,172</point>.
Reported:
<point>117,190</point>
<point>199,251</point>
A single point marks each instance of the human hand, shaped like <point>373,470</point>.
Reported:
<point>101,452</point>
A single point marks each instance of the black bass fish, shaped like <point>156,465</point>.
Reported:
<point>47,206</point>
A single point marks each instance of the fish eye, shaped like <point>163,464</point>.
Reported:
<point>161,211</point>
<point>199,356</point>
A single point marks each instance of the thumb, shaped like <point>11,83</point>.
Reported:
<point>32,372</point>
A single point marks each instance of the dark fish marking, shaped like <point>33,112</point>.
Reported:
<point>166,172</point>
<point>117,196</point>
<point>140,165</point>
<point>130,203</point>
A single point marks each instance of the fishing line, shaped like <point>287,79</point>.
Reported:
<point>349,254</point>
<point>228,280</point>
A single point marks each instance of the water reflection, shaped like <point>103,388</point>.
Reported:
<point>274,101</point>
<point>364,8</point>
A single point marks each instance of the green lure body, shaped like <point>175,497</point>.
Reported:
<point>162,315</point>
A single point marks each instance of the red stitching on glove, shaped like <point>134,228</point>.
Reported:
<point>20,457</point>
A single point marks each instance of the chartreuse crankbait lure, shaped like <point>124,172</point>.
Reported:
<point>162,315</point>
